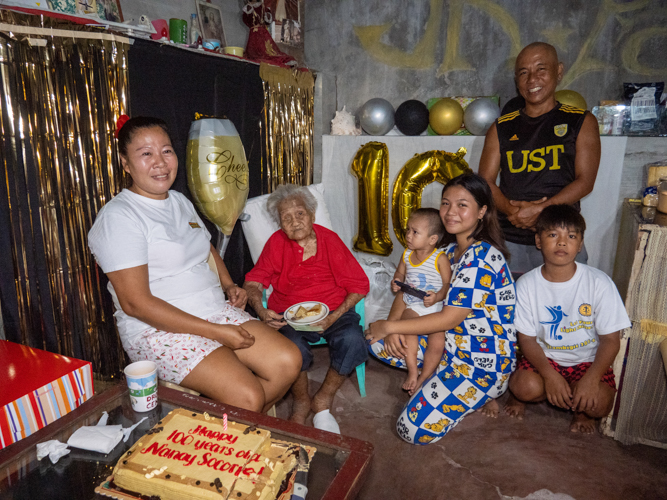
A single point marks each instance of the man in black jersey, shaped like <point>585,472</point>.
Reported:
<point>547,153</point>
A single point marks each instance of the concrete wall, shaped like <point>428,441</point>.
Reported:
<point>432,48</point>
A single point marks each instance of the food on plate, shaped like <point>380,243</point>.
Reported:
<point>303,312</point>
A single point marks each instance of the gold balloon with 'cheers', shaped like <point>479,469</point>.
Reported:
<point>217,171</point>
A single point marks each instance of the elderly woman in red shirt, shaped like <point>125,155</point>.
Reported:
<point>307,262</point>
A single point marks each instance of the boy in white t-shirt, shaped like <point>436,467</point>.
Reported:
<point>568,316</point>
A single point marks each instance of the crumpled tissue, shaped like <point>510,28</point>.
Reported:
<point>101,438</point>
<point>54,449</point>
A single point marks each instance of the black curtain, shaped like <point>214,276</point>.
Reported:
<point>174,84</point>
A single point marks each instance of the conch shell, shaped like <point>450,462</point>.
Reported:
<point>345,123</point>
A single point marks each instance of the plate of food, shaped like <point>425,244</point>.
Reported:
<point>306,313</point>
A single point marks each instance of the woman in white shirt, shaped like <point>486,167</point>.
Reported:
<point>170,306</point>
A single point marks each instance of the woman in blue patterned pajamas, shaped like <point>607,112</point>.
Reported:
<point>478,316</point>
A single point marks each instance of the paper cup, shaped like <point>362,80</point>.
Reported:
<point>142,381</point>
<point>178,30</point>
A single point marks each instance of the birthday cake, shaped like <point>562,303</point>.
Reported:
<point>190,455</point>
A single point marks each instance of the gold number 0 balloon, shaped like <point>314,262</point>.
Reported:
<point>371,167</point>
<point>415,175</point>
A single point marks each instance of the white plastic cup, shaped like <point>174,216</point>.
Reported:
<point>142,382</point>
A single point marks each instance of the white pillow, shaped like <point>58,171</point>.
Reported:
<point>260,226</point>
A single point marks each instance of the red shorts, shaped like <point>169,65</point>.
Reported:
<point>570,373</point>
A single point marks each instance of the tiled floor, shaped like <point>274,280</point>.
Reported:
<point>484,458</point>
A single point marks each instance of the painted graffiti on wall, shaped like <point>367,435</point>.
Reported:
<point>638,29</point>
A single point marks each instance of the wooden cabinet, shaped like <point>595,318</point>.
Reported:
<point>640,273</point>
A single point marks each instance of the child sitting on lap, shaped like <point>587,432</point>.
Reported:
<point>569,317</point>
<point>426,268</point>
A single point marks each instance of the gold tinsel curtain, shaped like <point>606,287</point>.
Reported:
<point>287,126</point>
<point>60,95</point>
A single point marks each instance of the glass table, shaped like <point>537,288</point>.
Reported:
<point>337,470</point>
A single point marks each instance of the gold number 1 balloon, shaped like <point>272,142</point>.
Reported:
<point>371,167</point>
<point>217,171</point>
<point>415,175</point>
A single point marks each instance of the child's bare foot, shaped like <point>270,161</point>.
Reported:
<point>491,408</point>
<point>583,423</point>
<point>515,408</point>
<point>410,383</point>
<point>300,411</point>
<point>420,381</point>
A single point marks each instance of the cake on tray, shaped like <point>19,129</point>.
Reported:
<point>189,455</point>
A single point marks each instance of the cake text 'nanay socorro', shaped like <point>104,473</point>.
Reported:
<point>189,455</point>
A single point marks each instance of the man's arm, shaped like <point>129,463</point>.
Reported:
<point>586,163</point>
<point>489,167</point>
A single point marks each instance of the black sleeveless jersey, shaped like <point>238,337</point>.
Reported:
<point>536,158</point>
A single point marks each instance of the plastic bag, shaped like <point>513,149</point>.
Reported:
<point>644,102</point>
<point>380,297</point>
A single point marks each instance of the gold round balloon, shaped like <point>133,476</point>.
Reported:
<point>415,175</point>
<point>445,116</point>
<point>217,171</point>
<point>371,167</point>
<point>571,98</point>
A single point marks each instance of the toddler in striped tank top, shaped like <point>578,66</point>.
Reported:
<point>424,266</point>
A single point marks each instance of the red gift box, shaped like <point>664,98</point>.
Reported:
<point>39,388</point>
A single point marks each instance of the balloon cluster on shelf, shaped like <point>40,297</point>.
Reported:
<point>445,116</point>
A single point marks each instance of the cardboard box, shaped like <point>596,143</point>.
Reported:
<point>38,388</point>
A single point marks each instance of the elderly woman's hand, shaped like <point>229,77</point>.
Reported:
<point>272,318</point>
<point>237,296</point>
<point>325,322</point>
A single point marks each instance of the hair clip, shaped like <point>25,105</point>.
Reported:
<point>122,120</point>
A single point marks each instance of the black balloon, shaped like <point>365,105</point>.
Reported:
<point>412,117</point>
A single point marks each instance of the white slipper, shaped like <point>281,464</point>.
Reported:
<point>325,421</point>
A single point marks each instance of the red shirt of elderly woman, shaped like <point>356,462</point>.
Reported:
<point>170,305</point>
<point>307,262</point>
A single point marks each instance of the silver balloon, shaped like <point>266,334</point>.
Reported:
<point>377,116</point>
<point>480,115</point>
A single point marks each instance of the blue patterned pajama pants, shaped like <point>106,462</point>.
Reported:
<point>453,391</point>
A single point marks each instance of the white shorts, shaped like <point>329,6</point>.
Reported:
<point>422,310</point>
<point>177,354</point>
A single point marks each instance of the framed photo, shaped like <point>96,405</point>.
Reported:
<point>286,27</point>
<point>210,22</point>
<point>109,10</point>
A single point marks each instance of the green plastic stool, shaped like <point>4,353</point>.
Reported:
<point>361,369</point>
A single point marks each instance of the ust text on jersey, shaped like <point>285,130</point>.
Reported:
<point>535,160</point>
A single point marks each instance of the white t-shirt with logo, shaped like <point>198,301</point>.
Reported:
<point>168,235</point>
<point>568,317</point>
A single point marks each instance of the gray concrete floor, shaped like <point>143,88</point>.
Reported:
<point>485,458</point>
